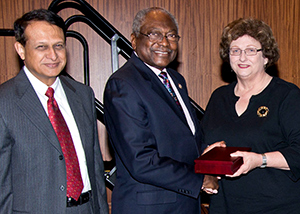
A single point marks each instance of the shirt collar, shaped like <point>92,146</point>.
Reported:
<point>38,85</point>
<point>155,70</point>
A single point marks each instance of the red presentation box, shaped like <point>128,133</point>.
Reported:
<point>218,161</point>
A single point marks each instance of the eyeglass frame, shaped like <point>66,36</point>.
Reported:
<point>240,51</point>
<point>162,37</point>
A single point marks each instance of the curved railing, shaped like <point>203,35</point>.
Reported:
<point>119,45</point>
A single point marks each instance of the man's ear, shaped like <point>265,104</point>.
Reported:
<point>133,41</point>
<point>20,50</point>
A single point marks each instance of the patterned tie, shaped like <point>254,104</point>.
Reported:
<point>74,180</point>
<point>168,86</point>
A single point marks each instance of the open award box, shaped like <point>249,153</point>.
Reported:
<point>219,162</point>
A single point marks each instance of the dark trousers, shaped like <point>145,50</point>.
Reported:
<point>81,209</point>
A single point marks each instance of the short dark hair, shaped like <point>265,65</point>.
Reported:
<point>141,15</point>
<point>36,15</point>
<point>258,30</point>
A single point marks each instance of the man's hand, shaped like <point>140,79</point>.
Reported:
<point>216,144</point>
<point>210,184</point>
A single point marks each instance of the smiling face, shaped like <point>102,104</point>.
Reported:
<point>247,66</point>
<point>161,53</point>
<point>44,53</point>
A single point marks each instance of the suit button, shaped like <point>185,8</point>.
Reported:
<point>61,157</point>
<point>62,188</point>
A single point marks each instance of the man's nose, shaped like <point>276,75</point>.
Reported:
<point>52,54</point>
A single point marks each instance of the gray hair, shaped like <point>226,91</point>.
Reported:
<point>141,15</point>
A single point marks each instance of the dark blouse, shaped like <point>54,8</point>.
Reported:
<point>270,123</point>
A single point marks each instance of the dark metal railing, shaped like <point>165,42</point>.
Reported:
<point>95,21</point>
<point>102,27</point>
<point>7,32</point>
<point>120,45</point>
<point>105,30</point>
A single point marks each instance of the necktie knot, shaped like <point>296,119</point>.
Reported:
<point>163,75</point>
<point>50,92</point>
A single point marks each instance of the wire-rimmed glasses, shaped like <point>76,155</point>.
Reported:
<point>247,51</point>
<point>157,37</point>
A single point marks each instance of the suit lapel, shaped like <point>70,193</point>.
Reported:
<point>157,85</point>
<point>78,111</point>
<point>31,106</point>
<point>184,95</point>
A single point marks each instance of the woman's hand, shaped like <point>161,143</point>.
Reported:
<point>251,161</point>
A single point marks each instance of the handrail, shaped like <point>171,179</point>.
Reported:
<point>7,32</point>
<point>99,106</point>
<point>84,43</point>
<point>120,45</point>
<point>98,21</point>
<point>105,30</point>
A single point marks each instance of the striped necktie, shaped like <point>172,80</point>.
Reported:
<point>168,86</point>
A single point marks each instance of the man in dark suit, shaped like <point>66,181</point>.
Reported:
<point>34,159</point>
<point>154,132</point>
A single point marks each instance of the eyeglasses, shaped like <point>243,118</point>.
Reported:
<point>158,37</point>
<point>247,51</point>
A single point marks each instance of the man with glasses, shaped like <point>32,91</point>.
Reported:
<point>152,126</point>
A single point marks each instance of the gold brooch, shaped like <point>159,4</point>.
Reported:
<point>262,111</point>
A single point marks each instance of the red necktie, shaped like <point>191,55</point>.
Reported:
<point>168,86</point>
<point>74,180</point>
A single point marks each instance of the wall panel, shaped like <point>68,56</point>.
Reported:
<point>200,21</point>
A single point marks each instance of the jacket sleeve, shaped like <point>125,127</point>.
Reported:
<point>6,193</point>
<point>99,166</point>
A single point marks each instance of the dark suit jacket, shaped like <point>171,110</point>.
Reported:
<point>32,169</point>
<point>155,148</point>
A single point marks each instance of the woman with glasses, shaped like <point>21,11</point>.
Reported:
<point>257,111</point>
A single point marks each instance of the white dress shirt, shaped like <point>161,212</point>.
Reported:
<point>61,99</point>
